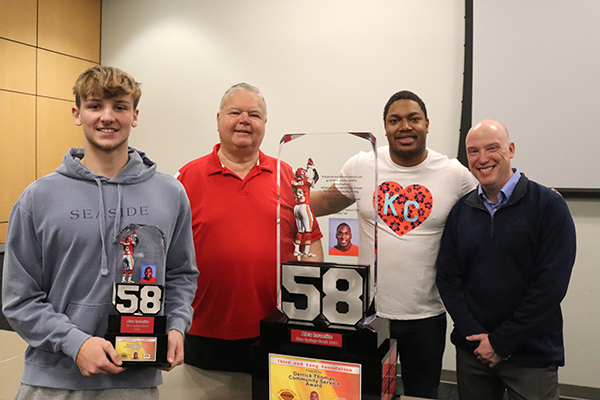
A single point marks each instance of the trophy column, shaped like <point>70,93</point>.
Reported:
<point>325,341</point>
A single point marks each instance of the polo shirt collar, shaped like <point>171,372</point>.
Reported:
<point>215,166</point>
<point>504,194</point>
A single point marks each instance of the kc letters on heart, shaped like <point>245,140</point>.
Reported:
<point>403,209</point>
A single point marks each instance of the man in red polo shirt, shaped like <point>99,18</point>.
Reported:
<point>233,195</point>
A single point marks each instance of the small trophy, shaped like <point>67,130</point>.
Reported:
<point>137,328</point>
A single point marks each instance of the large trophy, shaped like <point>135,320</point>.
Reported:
<point>325,341</point>
<point>137,327</point>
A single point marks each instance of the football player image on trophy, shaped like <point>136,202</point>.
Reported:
<point>305,179</point>
<point>128,242</point>
<point>137,327</point>
<point>325,338</point>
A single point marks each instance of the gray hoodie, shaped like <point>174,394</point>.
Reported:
<point>63,255</point>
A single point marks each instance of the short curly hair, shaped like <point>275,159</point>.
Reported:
<point>404,95</point>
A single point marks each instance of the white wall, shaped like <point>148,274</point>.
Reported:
<point>323,66</point>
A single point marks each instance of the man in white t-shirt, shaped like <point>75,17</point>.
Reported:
<point>416,188</point>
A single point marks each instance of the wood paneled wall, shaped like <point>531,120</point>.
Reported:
<point>44,46</point>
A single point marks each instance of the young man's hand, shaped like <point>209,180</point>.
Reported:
<point>98,356</point>
<point>175,349</point>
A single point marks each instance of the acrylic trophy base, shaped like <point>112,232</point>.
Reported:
<point>139,340</point>
<point>368,349</point>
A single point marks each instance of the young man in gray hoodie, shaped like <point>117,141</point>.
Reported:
<point>63,253</point>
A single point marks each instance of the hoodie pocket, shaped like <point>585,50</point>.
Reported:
<point>90,318</point>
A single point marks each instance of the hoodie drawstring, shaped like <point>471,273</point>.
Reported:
<point>118,216</point>
<point>104,265</point>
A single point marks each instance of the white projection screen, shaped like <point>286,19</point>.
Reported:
<point>536,68</point>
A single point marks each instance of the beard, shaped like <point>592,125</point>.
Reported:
<point>409,153</point>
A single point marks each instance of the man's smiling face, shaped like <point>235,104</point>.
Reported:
<point>489,151</point>
<point>241,121</point>
<point>406,130</point>
<point>106,123</point>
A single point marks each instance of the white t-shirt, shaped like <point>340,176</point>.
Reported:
<point>414,203</point>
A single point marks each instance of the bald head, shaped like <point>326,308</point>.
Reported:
<point>489,151</point>
<point>489,126</point>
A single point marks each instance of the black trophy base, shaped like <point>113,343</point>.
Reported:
<point>139,340</point>
<point>367,347</point>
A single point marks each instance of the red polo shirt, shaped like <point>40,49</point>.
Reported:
<point>235,235</point>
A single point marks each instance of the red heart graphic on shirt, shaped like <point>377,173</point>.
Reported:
<point>403,209</point>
